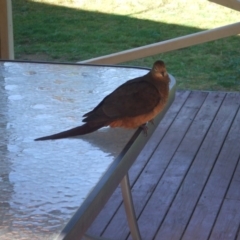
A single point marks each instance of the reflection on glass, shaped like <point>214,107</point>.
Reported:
<point>43,183</point>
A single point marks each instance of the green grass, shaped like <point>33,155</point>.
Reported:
<point>72,30</point>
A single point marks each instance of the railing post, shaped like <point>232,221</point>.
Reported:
<point>6,30</point>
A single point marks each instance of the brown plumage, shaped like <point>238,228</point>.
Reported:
<point>131,105</point>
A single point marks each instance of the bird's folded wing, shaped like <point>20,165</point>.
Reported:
<point>131,100</point>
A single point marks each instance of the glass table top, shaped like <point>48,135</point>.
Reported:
<point>42,184</point>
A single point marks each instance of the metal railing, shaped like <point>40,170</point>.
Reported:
<point>176,43</point>
<point>169,45</point>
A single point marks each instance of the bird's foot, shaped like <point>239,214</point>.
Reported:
<point>144,128</point>
<point>152,121</point>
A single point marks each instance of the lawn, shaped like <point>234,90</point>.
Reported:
<point>75,30</point>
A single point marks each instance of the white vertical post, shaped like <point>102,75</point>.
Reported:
<point>6,30</point>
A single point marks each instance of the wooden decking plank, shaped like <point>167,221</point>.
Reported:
<point>112,205</point>
<point>227,228</point>
<point>191,187</point>
<point>209,204</point>
<point>228,221</point>
<point>158,206</point>
<point>234,189</point>
<point>149,178</point>
<point>197,175</point>
<point>238,235</point>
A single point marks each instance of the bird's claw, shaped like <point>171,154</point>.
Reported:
<point>145,129</point>
<point>152,121</point>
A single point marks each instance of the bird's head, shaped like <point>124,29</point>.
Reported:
<point>159,70</point>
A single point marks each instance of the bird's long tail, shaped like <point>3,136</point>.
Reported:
<point>81,130</point>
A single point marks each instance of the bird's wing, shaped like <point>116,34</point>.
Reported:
<point>130,100</point>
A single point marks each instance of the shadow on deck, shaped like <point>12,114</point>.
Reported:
<point>186,181</point>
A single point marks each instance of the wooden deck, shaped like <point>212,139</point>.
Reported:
<point>186,181</point>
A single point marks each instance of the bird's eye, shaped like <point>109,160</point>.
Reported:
<point>163,74</point>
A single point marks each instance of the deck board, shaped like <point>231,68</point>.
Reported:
<point>189,186</point>
<point>238,235</point>
<point>209,204</point>
<point>186,181</point>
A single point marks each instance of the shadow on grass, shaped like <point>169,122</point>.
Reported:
<point>53,33</point>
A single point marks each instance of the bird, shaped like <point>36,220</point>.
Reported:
<point>131,105</point>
